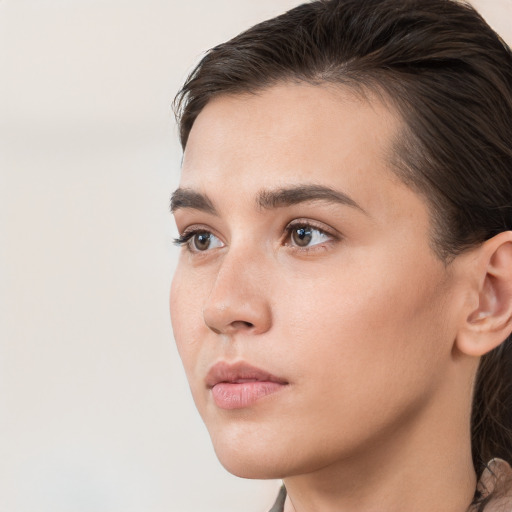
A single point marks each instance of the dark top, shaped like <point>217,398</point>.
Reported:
<point>279,504</point>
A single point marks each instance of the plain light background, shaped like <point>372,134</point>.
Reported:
<point>95,411</point>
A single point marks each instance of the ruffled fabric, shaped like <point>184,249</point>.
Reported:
<point>495,481</point>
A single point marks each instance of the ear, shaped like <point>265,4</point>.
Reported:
<point>489,322</point>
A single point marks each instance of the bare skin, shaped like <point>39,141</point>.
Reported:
<point>339,294</point>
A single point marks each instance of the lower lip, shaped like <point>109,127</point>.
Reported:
<point>232,395</point>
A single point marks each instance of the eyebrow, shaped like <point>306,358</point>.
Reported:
<point>288,196</point>
<point>266,199</point>
<point>188,198</point>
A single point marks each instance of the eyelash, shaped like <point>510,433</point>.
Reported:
<point>185,238</point>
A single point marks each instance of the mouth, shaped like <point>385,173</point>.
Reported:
<point>240,385</point>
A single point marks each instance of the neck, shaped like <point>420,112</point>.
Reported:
<point>424,465</point>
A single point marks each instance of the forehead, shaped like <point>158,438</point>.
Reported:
<point>289,134</point>
<point>298,122</point>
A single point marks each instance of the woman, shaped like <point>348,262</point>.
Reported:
<point>343,300</point>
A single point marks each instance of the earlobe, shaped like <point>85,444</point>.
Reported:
<point>489,323</point>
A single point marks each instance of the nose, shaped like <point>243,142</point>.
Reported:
<point>239,299</point>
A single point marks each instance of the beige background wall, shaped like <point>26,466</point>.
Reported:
<point>95,413</point>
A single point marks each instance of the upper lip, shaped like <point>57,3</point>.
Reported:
<point>237,373</point>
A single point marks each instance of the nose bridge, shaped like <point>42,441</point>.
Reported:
<point>239,297</point>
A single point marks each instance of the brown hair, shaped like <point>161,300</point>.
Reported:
<point>449,75</point>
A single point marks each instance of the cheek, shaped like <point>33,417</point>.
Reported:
<point>186,319</point>
<point>353,326</point>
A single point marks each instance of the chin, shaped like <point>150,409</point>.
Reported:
<point>245,451</point>
<point>260,466</point>
<point>254,468</point>
<point>264,453</point>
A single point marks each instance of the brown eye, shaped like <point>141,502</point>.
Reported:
<point>196,240</point>
<point>201,241</point>
<point>301,236</point>
<point>305,235</point>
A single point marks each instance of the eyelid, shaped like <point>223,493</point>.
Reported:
<point>192,229</point>
<point>320,226</point>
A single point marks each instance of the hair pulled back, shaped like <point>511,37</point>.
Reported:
<point>449,76</point>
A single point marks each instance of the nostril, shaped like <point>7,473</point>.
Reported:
<point>226,317</point>
<point>237,325</point>
<point>240,324</point>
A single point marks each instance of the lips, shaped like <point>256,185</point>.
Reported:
<point>240,385</point>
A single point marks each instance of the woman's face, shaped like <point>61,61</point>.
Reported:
<point>311,314</point>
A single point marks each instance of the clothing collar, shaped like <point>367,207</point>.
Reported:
<point>496,480</point>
